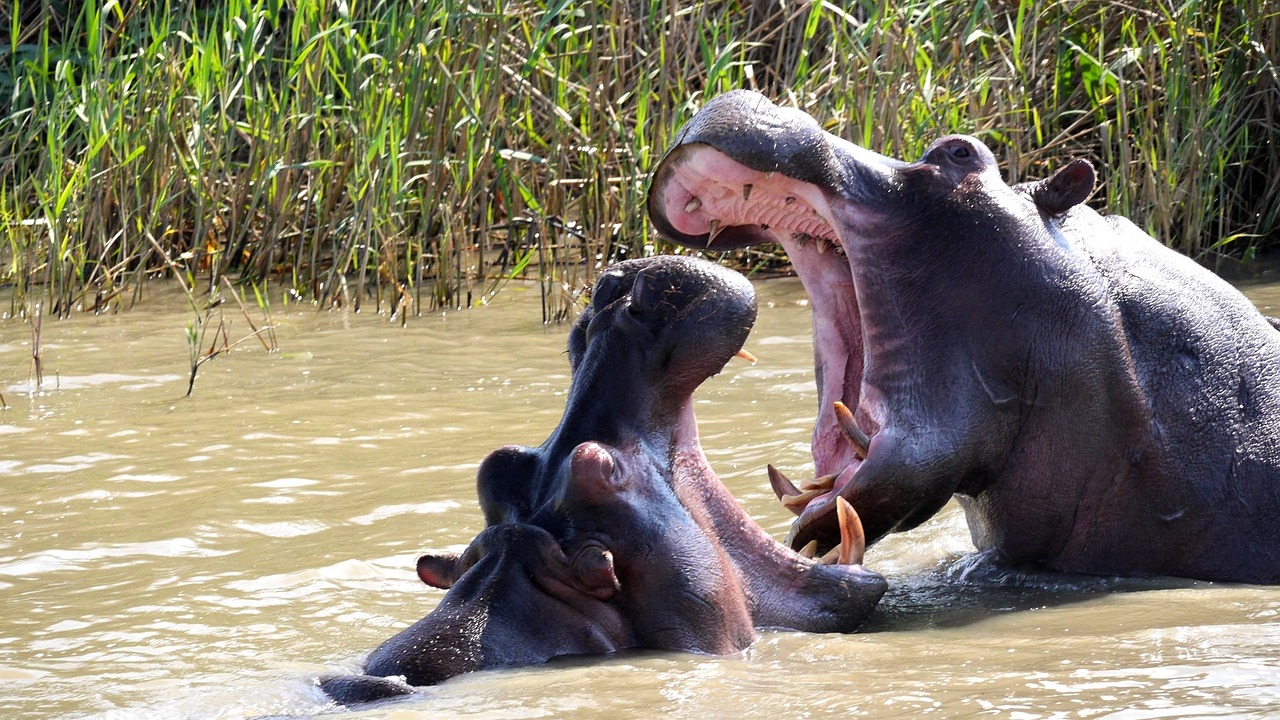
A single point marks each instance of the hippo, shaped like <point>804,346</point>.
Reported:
<point>1096,402</point>
<point>615,533</point>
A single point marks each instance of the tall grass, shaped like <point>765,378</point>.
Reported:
<point>406,156</point>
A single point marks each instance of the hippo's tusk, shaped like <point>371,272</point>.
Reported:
<point>826,482</point>
<point>797,503</point>
<point>782,487</point>
<point>744,355</point>
<point>853,539</point>
<point>808,551</point>
<point>852,432</point>
<point>798,498</point>
<point>714,231</point>
<point>692,205</point>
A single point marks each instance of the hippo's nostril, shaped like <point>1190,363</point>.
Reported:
<point>646,295</point>
<point>608,289</point>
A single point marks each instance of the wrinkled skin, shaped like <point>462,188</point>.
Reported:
<point>1095,401</point>
<point>615,533</point>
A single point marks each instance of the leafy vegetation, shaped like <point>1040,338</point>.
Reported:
<point>407,156</point>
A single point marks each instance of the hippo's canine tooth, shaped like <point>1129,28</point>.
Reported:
<point>853,539</point>
<point>801,501</point>
<point>714,231</point>
<point>810,550</point>
<point>744,355</point>
<point>852,433</point>
<point>692,205</point>
<point>782,487</point>
<point>826,482</point>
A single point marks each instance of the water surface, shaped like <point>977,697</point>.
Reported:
<point>208,557</point>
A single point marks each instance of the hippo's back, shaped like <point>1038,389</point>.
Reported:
<point>1208,363</point>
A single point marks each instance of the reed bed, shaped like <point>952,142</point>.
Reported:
<point>406,156</point>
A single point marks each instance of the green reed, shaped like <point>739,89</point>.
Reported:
<point>406,156</point>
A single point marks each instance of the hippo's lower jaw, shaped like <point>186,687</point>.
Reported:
<point>978,332</point>
<point>615,533</point>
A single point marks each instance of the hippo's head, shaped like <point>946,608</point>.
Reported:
<point>1095,401</point>
<point>615,533</point>
<point>913,270</point>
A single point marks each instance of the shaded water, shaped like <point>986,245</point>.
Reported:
<point>166,557</point>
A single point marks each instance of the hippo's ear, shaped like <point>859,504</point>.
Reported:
<point>506,483</point>
<point>594,572</point>
<point>1066,188</point>
<point>440,570</point>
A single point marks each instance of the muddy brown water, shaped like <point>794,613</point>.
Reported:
<point>166,557</point>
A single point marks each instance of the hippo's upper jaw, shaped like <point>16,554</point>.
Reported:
<point>1062,374</point>
<point>615,533</point>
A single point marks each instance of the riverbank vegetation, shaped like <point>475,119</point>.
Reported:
<point>406,156</point>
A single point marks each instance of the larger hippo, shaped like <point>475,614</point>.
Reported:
<point>1096,402</point>
<point>615,533</point>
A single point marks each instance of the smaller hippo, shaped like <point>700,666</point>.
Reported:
<point>615,533</point>
<point>1095,401</point>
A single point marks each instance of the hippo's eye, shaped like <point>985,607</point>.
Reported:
<point>960,152</point>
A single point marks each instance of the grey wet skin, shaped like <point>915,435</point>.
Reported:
<point>615,533</point>
<point>1096,402</point>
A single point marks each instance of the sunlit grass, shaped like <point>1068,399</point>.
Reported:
<point>406,156</point>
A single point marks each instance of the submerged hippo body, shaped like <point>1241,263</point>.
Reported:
<point>1096,402</point>
<point>615,533</point>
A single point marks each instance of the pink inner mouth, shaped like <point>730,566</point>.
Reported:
<point>706,193</point>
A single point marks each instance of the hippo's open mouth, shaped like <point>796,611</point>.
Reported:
<point>716,189</point>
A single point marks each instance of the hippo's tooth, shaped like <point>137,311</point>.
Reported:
<point>782,487</point>
<point>810,550</point>
<point>714,226</point>
<point>799,502</point>
<point>692,205</point>
<point>744,355</point>
<point>852,433</point>
<point>822,245</point>
<point>826,482</point>
<point>789,200</point>
<point>746,192</point>
<point>853,539</point>
<point>832,557</point>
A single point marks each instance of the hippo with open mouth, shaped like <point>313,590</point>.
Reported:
<point>615,533</point>
<point>1096,402</point>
